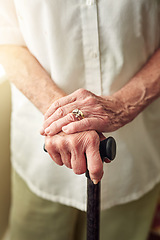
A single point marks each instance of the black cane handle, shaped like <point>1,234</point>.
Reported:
<point>107,148</point>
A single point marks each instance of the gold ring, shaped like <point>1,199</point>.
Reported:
<point>78,114</point>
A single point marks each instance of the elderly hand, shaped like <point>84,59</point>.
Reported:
<point>103,114</point>
<point>71,150</point>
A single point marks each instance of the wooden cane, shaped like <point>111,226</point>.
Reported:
<point>107,150</point>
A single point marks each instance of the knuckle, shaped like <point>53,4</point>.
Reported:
<point>72,141</point>
<point>54,144</point>
<point>81,91</point>
<point>74,145</point>
<point>49,146</point>
<point>60,112</point>
<point>92,137</point>
<point>61,144</point>
<point>70,117</point>
<point>91,100</point>
<point>56,104</point>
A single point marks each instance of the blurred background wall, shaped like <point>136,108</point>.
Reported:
<point>5,109</point>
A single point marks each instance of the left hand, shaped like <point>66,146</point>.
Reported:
<point>103,114</point>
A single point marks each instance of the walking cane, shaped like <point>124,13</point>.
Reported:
<point>107,150</point>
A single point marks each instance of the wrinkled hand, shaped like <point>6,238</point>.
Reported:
<point>71,150</point>
<point>103,114</point>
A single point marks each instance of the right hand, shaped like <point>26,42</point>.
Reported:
<point>71,150</point>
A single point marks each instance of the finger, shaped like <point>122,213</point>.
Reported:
<point>42,131</point>
<point>66,158</point>
<point>56,126</point>
<point>83,125</point>
<point>52,151</point>
<point>59,113</point>
<point>59,103</point>
<point>94,163</point>
<point>95,167</point>
<point>78,162</point>
<point>61,147</point>
<point>56,157</point>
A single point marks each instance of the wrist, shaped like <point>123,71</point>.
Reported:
<point>117,110</point>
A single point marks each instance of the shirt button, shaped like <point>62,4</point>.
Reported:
<point>90,2</point>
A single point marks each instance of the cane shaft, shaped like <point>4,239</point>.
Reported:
<point>93,210</point>
<point>107,150</point>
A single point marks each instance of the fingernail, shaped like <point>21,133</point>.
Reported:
<point>64,129</point>
<point>95,181</point>
<point>107,160</point>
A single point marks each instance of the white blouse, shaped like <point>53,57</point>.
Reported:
<point>98,45</point>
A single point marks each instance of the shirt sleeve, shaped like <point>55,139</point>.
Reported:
<point>9,28</point>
